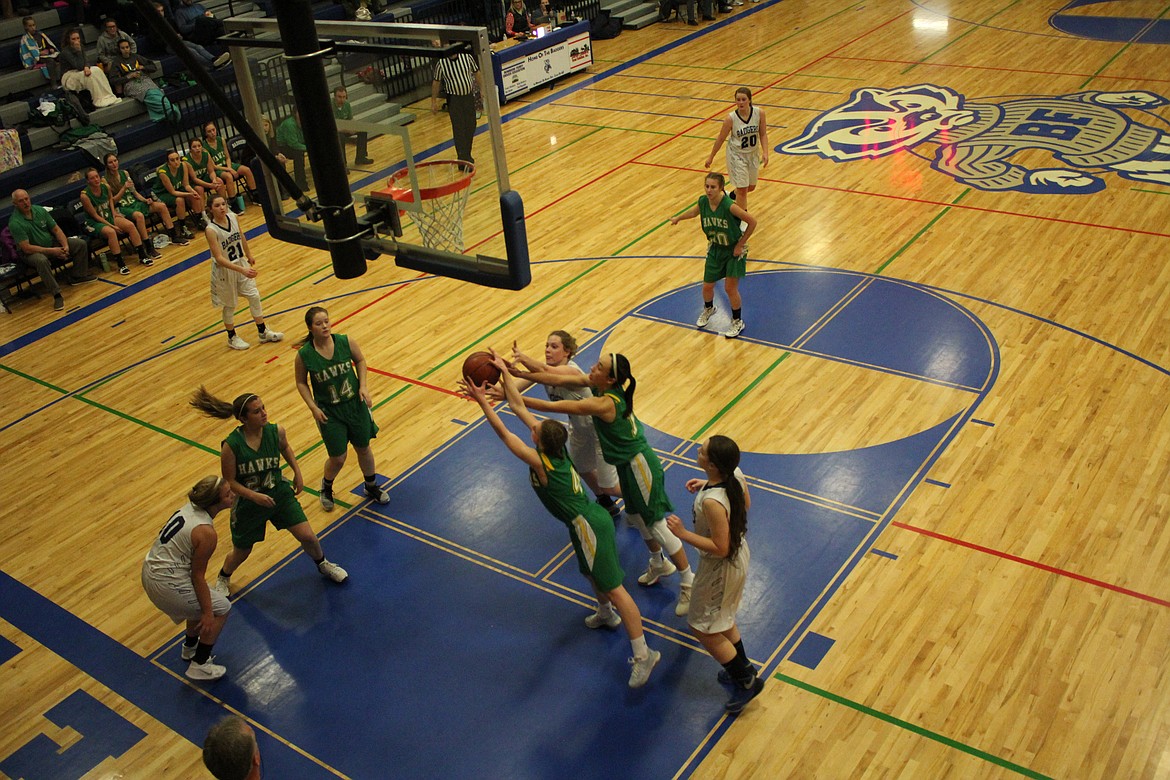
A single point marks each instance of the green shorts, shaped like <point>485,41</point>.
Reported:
<point>593,541</point>
<point>349,422</point>
<point>722,264</point>
<point>644,487</point>
<point>166,198</point>
<point>137,207</point>
<point>249,518</point>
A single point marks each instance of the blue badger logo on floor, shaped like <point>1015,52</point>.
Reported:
<point>1090,132</point>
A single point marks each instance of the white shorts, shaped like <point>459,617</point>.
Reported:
<point>743,170</point>
<point>717,591</point>
<point>228,286</point>
<point>585,450</point>
<point>178,600</point>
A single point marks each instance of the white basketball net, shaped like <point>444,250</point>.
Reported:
<point>440,219</point>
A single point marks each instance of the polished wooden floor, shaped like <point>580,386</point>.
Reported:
<point>1020,619</point>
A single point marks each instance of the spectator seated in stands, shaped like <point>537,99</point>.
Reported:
<point>107,43</point>
<point>36,50</point>
<point>344,111</point>
<point>78,75</point>
<point>290,141</point>
<point>518,22</point>
<point>157,46</point>
<point>196,23</point>
<point>133,205</point>
<point>40,242</point>
<point>130,75</point>
<point>103,221</point>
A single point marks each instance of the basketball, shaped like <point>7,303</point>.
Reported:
<point>479,369</point>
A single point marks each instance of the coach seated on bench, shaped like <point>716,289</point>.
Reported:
<point>40,243</point>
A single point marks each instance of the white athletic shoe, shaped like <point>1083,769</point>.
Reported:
<point>235,342</point>
<point>209,670</point>
<point>606,616</point>
<point>222,586</point>
<point>704,316</point>
<point>642,667</point>
<point>684,601</point>
<point>655,572</point>
<point>271,335</point>
<point>735,329</point>
<point>332,571</point>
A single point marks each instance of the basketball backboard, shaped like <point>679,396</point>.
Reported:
<point>396,130</point>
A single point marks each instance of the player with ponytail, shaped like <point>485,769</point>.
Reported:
<point>250,462</point>
<point>623,444</point>
<point>720,518</point>
<point>558,487</point>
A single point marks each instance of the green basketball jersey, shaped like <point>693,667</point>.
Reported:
<point>563,496</point>
<point>623,438</point>
<point>176,179</point>
<point>333,381</point>
<point>258,469</point>
<point>128,198</point>
<point>200,167</point>
<point>217,152</point>
<point>101,203</point>
<point>721,228</point>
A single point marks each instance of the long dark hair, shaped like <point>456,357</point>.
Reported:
<point>220,409</point>
<point>619,369</point>
<point>723,454</point>
<point>309,315</point>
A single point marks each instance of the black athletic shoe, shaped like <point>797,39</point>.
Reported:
<point>740,698</point>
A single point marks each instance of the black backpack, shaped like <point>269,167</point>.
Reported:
<point>605,26</point>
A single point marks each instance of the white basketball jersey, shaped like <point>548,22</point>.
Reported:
<point>229,242</point>
<point>745,136</point>
<point>170,556</point>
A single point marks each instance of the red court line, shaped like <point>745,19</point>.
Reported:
<point>371,303</point>
<point>414,382</point>
<point>1034,564</point>
<point>921,64</point>
<point>925,202</point>
<point>699,123</point>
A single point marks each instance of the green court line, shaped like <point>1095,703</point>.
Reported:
<point>801,31</point>
<point>919,730</point>
<point>918,235</point>
<point>743,393</point>
<point>33,379</point>
<point>972,28</point>
<point>1125,47</point>
<point>147,425</point>
<point>1150,192</point>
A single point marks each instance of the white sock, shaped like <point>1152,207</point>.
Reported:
<point>656,558</point>
<point>686,576</point>
<point>641,650</point>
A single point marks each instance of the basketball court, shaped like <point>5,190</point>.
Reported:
<point>946,394</point>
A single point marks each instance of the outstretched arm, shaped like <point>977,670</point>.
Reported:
<point>512,393</point>
<point>517,447</point>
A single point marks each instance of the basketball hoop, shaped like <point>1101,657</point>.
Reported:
<point>443,188</point>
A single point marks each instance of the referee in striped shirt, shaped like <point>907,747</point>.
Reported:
<point>459,77</point>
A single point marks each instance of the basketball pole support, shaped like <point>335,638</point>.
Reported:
<point>306,68</point>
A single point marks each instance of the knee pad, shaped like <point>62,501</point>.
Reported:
<point>254,306</point>
<point>229,315</point>
<point>636,521</point>
<point>662,534</point>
